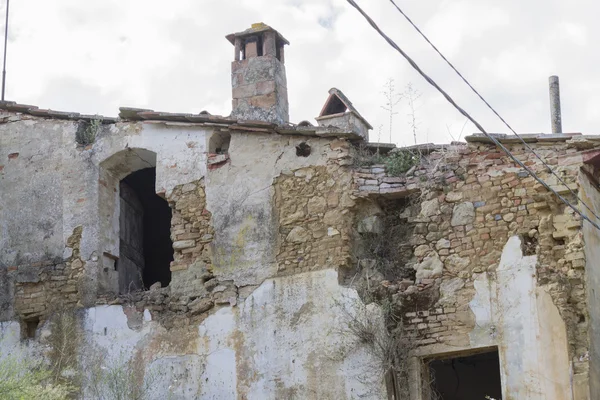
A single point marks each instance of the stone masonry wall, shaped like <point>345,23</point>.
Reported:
<point>473,199</point>
<point>191,232</point>
<point>45,287</point>
<point>313,205</point>
<point>259,90</point>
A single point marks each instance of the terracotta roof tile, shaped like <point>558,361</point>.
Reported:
<point>44,113</point>
<point>147,115</point>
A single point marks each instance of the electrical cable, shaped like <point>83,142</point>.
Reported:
<point>5,46</point>
<point>464,113</point>
<point>491,108</point>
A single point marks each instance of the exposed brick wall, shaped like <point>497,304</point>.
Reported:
<point>433,325</point>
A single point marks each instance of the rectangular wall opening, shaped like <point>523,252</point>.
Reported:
<point>29,327</point>
<point>464,376</point>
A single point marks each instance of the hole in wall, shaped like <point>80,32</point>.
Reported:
<point>29,327</point>
<point>385,238</point>
<point>110,259</point>
<point>528,245</point>
<point>146,249</point>
<point>472,376</point>
<point>303,150</point>
<point>219,143</point>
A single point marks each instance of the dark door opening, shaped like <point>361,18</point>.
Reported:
<point>145,246</point>
<point>466,378</point>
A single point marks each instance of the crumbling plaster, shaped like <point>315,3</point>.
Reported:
<point>80,188</point>
<point>591,196</point>
<point>240,196</point>
<point>27,236</point>
<point>270,332</point>
<point>285,340</point>
<point>467,247</point>
<point>127,148</point>
<point>265,320</point>
<point>509,311</point>
<point>62,179</point>
<point>473,204</point>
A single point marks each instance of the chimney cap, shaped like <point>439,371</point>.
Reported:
<point>253,30</point>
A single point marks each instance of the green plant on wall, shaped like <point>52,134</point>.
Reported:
<point>401,161</point>
<point>396,162</point>
<point>87,131</point>
<point>23,377</point>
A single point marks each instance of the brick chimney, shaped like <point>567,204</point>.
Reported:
<point>259,86</point>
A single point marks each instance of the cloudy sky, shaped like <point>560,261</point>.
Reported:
<point>96,55</point>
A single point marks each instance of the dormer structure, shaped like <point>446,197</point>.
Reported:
<point>258,80</point>
<point>338,111</point>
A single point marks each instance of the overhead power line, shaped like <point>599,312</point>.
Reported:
<point>465,114</point>
<point>492,108</point>
<point>5,44</point>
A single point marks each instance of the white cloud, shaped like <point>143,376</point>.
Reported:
<point>97,55</point>
<point>575,32</point>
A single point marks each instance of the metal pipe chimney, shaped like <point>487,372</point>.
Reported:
<point>555,116</point>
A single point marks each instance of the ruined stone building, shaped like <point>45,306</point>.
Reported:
<point>248,257</point>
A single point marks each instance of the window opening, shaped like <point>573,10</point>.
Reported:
<point>30,326</point>
<point>219,143</point>
<point>145,246</point>
<point>466,377</point>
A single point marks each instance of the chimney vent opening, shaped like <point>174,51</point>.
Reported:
<point>251,48</point>
<point>259,46</point>
<point>334,106</point>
